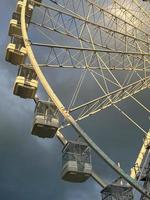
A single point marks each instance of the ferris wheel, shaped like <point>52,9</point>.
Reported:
<point>102,49</point>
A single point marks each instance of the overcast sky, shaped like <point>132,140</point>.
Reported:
<point>30,168</point>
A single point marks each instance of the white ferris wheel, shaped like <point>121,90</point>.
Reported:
<point>89,56</point>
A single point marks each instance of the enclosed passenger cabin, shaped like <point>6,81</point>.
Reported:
<point>29,8</point>
<point>46,121</point>
<point>17,16</point>
<point>15,28</point>
<point>26,83</point>
<point>118,190</point>
<point>15,55</point>
<point>144,172</point>
<point>15,24</point>
<point>76,161</point>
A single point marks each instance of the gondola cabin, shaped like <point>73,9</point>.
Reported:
<point>76,161</point>
<point>46,121</point>
<point>14,28</point>
<point>26,83</point>
<point>29,8</point>
<point>118,191</point>
<point>15,55</point>
<point>17,16</point>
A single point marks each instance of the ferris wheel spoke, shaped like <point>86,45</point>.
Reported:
<point>127,68</point>
<point>77,89</point>
<point>127,116</point>
<point>90,49</point>
<point>115,97</point>
<point>107,79</point>
<point>114,68</point>
<point>96,107</point>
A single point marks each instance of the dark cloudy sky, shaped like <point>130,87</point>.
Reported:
<point>30,168</point>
